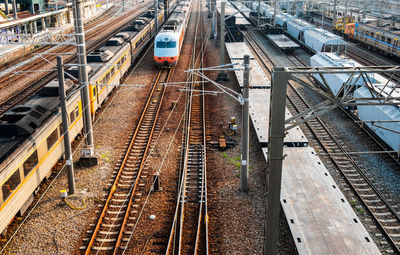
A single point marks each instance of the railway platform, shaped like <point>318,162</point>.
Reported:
<point>50,23</point>
<point>320,218</point>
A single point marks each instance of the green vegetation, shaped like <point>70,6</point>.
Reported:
<point>105,156</point>
<point>234,161</point>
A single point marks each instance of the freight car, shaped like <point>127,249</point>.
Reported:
<point>31,136</point>
<point>375,38</point>
<point>169,40</point>
<point>312,38</point>
<point>385,117</point>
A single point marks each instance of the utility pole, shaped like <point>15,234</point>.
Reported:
<point>345,14</point>
<point>88,149</point>
<point>214,21</point>
<point>334,14</point>
<point>275,158</point>
<point>244,169</point>
<point>155,16</point>
<point>166,9</point>
<point>274,23</point>
<point>65,125</point>
<point>323,15</point>
<point>259,14</point>
<point>222,76</point>
<point>380,20</point>
<point>15,9</point>
<point>6,5</point>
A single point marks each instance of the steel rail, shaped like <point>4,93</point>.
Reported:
<point>194,156</point>
<point>393,243</point>
<point>125,160</point>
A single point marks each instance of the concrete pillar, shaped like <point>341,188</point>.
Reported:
<point>25,29</point>
<point>35,27</point>
<point>6,5</point>
<point>43,24</point>
<point>32,9</point>
<point>31,28</point>
<point>15,9</point>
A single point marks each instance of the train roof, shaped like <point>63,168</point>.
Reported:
<point>394,32</point>
<point>20,122</point>
<point>324,36</point>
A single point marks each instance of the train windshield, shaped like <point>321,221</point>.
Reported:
<point>161,44</point>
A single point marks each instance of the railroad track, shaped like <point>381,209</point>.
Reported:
<point>189,231</point>
<point>118,216</point>
<point>33,84</point>
<point>385,216</point>
<point>367,59</point>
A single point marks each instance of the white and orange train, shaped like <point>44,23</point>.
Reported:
<point>169,40</point>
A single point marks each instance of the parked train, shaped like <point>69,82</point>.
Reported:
<point>381,119</point>
<point>378,39</point>
<point>31,135</point>
<point>169,40</point>
<point>314,39</point>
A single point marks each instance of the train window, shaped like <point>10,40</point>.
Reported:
<point>372,34</point>
<point>30,163</point>
<point>94,91</point>
<point>161,44</point>
<point>10,185</point>
<point>389,40</point>
<point>119,63</point>
<point>52,139</point>
<point>73,115</point>
<point>107,78</point>
<point>112,71</point>
<point>383,38</point>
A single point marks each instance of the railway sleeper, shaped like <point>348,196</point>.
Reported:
<point>105,240</point>
<point>102,248</point>
<point>392,227</point>
<point>364,190</point>
<point>368,195</point>
<point>360,184</point>
<point>372,200</point>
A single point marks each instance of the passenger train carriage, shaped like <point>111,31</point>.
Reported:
<point>169,40</point>
<point>31,140</point>
<point>376,38</point>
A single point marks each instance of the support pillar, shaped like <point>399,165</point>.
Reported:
<point>35,31</point>
<point>6,5</point>
<point>155,17</point>
<point>244,168</point>
<point>334,14</point>
<point>274,22</point>
<point>43,24</point>
<point>15,9</point>
<point>65,125</point>
<point>222,76</point>
<point>275,158</point>
<point>31,28</point>
<point>87,153</point>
